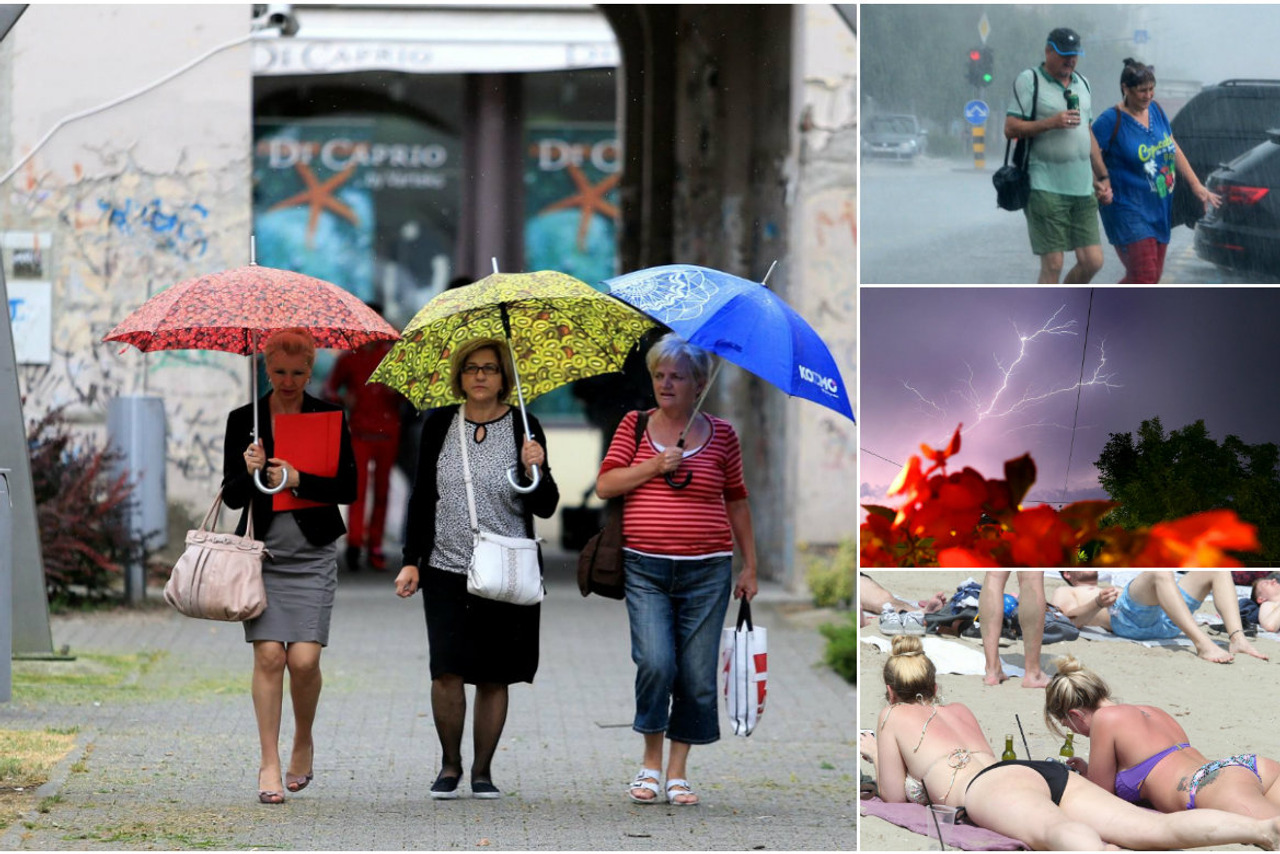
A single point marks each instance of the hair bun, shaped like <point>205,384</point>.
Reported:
<point>1129,60</point>
<point>1068,664</point>
<point>908,645</point>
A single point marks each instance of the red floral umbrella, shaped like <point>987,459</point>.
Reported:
<point>237,310</point>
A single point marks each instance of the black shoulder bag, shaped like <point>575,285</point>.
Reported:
<point>1013,180</point>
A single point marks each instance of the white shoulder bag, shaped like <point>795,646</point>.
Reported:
<point>502,568</point>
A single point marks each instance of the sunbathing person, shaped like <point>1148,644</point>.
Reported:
<point>1266,592</point>
<point>1155,606</point>
<point>1142,754</point>
<point>1040,803</point>
<point>872,599</point>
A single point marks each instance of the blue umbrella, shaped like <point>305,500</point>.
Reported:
<point>741,321</point>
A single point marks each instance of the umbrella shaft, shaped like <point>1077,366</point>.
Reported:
<point>697,407</point>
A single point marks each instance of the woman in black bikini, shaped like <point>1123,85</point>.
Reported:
<point>1142,754</point>
<point>1039,803</point>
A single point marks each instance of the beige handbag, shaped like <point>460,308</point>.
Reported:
<point>219,576</point>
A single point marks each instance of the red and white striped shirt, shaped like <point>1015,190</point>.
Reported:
<point>689,522</point>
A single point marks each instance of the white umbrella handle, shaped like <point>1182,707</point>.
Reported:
<point>253,393</point>
<point>271,490</point>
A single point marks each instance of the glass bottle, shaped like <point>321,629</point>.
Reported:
<point>1008,749</point>
<point>1067,751</point>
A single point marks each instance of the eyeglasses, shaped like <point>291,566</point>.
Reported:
<point>488,370</point>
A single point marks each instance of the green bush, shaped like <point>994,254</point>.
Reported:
<point>831,579</point>
<point>842,648</point>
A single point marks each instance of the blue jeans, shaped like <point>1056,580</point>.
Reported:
<point>677,609</point>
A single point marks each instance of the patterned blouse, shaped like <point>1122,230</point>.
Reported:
<point>497,507</point>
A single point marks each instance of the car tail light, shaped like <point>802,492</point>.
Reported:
<point>1238,194</point>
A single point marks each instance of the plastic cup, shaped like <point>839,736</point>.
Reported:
<point>944,814</point>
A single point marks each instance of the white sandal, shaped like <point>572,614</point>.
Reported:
<point>646,778</point>
<point>678,783</point>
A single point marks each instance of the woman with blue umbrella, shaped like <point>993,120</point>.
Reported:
<point>679,546</point>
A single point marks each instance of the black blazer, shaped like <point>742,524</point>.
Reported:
<point>320,525</point>
<point>420,533</point>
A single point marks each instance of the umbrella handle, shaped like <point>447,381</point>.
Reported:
<point>515,483</point>
<point>270,490</point>
<point>670,478</point>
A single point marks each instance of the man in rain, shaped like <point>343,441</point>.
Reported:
<point>1068,177</point>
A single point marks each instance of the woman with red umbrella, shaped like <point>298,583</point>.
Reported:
<point>301,570</point>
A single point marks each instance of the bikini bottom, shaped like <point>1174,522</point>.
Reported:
<point>1055,774</point>
<point>1244,760</point>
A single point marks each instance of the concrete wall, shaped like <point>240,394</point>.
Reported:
<point>823,264</point>
<point>137,197</point>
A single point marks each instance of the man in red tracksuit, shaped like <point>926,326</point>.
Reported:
<point>373,413</point>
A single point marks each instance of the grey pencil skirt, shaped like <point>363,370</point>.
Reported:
<point>300,579</point>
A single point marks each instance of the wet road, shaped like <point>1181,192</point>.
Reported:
<point>936,222</point>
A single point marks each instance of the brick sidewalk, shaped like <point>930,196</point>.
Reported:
<point>177,768</point>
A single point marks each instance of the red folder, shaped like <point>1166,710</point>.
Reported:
<point>309,442</point>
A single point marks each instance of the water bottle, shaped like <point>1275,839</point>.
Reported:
<point>1008,749</point>
<point>1073,100</point>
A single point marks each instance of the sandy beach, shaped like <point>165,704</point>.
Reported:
<point>1225,708</point>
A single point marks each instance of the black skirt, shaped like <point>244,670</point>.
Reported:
<point>478,639</point>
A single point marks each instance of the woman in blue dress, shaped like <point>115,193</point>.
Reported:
<point>1142,161</point>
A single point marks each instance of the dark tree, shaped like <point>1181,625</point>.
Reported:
<point>1158,477</point>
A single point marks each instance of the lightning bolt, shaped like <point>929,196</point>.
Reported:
<point>1001,403</point>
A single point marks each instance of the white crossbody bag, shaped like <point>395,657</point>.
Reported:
<point>502,568</point>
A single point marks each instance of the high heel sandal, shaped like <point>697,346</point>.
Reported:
<point>297,782</point>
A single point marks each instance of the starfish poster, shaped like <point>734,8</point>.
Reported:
<point>313,207</point>
<point>571,175</point>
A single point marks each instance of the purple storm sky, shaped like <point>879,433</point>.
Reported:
<point>1178,353</point>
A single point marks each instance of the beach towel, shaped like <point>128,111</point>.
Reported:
<point>949,656</point>
<point>916,818</point>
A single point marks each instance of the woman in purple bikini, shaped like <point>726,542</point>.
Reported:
<point>1142,754</point>
<point>942,746</point>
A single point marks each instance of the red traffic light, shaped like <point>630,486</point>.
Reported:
<point>975,55</point>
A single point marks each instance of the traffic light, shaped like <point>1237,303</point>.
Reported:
<point>975,66</point>
<point>986,66</point>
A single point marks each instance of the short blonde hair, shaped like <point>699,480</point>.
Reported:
<point>672,348</point>
<point>460,356</point>
<point>909,672</point>
<point>1074,686</point>
<point>291,342</point>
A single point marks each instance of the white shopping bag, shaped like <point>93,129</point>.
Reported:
<point>743,671</point>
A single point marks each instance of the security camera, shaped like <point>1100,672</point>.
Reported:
<point>278,16</point>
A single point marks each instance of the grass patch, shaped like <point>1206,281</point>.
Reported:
<point>155,834</point>
<point>91,677</point>
<point>28,759</point>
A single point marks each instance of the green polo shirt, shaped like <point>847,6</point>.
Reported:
<point>1060,157</point>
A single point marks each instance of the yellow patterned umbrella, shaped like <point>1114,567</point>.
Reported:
<point>560,329</point>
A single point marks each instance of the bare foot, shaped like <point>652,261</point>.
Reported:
<point>994,678</point>
<point>1270,834</point>
<point>1039,679</point>
<point>1210,651</point>
<point>1243,646</point>
<point>935,604</point>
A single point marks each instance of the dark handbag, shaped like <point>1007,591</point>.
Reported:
<point>600,563</point>
<point>1012,180</point>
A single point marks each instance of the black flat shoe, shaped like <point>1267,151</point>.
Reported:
<point>484,789</point>
<point>445,788</point>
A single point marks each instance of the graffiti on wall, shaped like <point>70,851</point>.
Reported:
<point>121,233</point>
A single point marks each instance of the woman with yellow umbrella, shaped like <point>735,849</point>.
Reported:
<point>472,344</point>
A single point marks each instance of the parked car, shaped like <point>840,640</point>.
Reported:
<point>1244,233</point>
<point>1217,125</point>
<point>894,135</point>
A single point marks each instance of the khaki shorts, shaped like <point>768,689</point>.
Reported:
<point>1059,223</point>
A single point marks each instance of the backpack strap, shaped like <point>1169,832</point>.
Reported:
<point>1025,142</point>
<point>642,422</point>
<point>1115,129</point>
